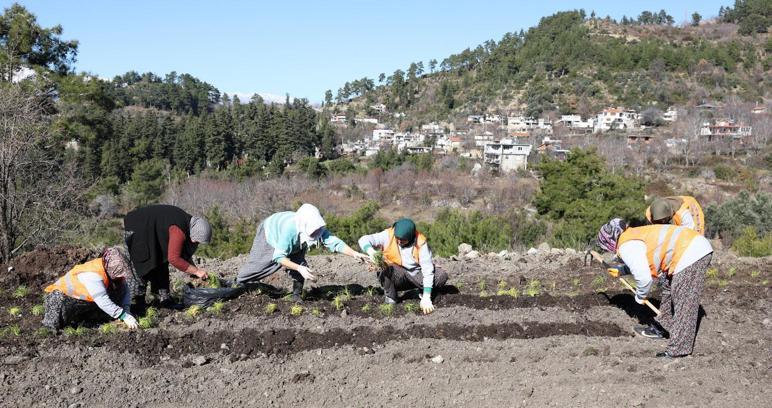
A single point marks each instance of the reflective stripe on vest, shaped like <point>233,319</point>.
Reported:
<point>70,285</point>
<point>665,244</point>
<point>691,206</point>
<point>391,253</point>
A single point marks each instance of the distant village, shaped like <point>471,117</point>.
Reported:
<point>505,142</point>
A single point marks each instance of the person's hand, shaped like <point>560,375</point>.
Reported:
<point>362,257</point>
<point>426,303</point>
<point>306,273</point>
<point>129,321</point>
<point>201,274</point>
<point>371,254</point>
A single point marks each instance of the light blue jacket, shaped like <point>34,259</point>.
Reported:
<point>281,233</point>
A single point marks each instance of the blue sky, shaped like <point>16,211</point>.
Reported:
<point>299,47</point>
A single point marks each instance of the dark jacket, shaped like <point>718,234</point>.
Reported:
<point>147,235</point>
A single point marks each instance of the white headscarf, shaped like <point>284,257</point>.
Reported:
<point>308,220</point>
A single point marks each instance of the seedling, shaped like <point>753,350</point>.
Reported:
<point>213,281</point>
<point>315,312</point>
<point>38,310</point>
<point>338,303</point>
<point>108,329</point>
<point>216,308</point>
<point>513,292</point>
<point>13,330</point>
<point>386,309</point>
<point>484,294</point>
<point>533,288</point>
<point>731,272</point>
<point>366,308</point>
<point>193,311</point>
<point>755,274</point>
<point>270,308</point>
<point>599,283</point>
<point>378,260</point>
<point>482,285</point>
<point>410,307</point>
<point>460,285</point>
<point>723,282</point>
<point>15,311</point>
<point>43,332</point>
<point>146,323</point>
<point>288,298</point>
<point>345,294</point>
<point>576,282</point>
<point>151,313</point>
<point>711,273</point>
<point>296,310</point>
<point>20,292</point>
<point>74,332</point>
<point>502,286</point>
<point>372,291</point>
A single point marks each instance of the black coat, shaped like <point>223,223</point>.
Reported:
<point>148,235</point>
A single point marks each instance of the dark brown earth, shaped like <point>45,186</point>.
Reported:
<point>570,344</point>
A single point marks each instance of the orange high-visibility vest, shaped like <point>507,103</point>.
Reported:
<point>690,204</point>
<point>665,244</point>
<point>70,285</point>
<point>391,252</point>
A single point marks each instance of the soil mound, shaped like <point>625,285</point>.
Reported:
<point>43,265</point>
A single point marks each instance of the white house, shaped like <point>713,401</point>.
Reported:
<point>379,107</point>
<point>507,155</point>
<point>373,121</point>
<point>724,129</point>
<point>383,135</point>
<point>432,128</point>
<point>615,118</point>
<point>483,139</point>
<point>522,124</point>
<point>575,122</point>
<point>670,115</point>
<point>474,119</point>
<point>338,119</point>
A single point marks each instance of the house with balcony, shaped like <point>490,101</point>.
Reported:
<point>615,119</point>
<point>507,156</point>
<point>723,129</point>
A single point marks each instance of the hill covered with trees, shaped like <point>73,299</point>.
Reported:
<point>572,62</point>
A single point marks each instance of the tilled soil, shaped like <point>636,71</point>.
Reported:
<point>496,339</point>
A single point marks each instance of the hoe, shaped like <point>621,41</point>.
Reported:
<point>614,271</point>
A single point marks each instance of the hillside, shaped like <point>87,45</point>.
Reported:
<point>572,63</point>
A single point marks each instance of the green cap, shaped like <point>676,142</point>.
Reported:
<point>661,210</point>
<point>404,228</point>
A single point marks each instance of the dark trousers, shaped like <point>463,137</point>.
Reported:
<point>62,310</point>
<point>395,278</point>
<point>158,278</point>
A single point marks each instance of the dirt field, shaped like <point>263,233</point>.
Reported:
<point>547,331</point>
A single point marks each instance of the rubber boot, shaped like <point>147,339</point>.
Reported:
<point>297,291</point>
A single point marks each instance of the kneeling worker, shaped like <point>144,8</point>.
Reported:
<point>89,289</point>
<point>678,257</point>
<point>408,259</point>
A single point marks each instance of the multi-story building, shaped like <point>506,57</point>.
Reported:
<point>507,155</point>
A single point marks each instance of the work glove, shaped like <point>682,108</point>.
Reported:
<point>129,321</point>
<point>371,252</point>
<point>617,270</point>
<point>305,272</point>
<point>426,303</point>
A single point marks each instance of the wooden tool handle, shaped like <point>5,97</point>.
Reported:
<point>624,282</point>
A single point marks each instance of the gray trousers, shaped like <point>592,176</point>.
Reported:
<point>395,278</point>
<point>260,263</point>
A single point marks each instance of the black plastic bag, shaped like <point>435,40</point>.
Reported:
<point>205,297</point>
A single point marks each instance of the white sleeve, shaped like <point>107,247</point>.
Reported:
<point>96,288</point>
<point>377,240</point>
<point>633,254</point>
<point>688,221</point>
<point>427,265</point>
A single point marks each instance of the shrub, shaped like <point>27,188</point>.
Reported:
<point>581,194</point>
<point>452,227</point>
<point>363,221</point>
<point>750,244</point>
<point>724,172</point>
<point>729,219</point>
<point>340,166</point>
<point>229,238</point>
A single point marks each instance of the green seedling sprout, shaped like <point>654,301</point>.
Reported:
<point>378,260</point>
<point>270,309</point>
<point>43,332</point>
<point>533,288</point>
<point>14,330</point>
<point>108,329</point>
<point>371,291</point>
<point>216,308</point>
<point>723,283</point>
<point>296,310</point>
<point>74,331</point>
<point>288,298</point>
<point>15,311</point>
<point>599,282</point>
<point>213,281</point>
<point>410,307</point>
<point>316,312</point>
<point>386,309</point>
<point>512,292</point>
<point>576,282</point>
<point>366,308</point>
<point>711,273</point>
<point>502,286</point>
<point>20,292</point>
<point>755,274</point>
<point>484,294</point>
<point>482,285</point>
<point>193,311</point>
<point>151,313</point>
<point>38,310</point>
<point>338,303</point>
<point>731,272</point>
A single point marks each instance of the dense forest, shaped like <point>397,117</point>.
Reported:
<point>577,63</point>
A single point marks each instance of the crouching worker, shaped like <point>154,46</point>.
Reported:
<point>678,257</point>
<point>408,261</point>
<point>679,210</point>
<point>159,235</point>
<point>282,240</point>
<point>89,291</point>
